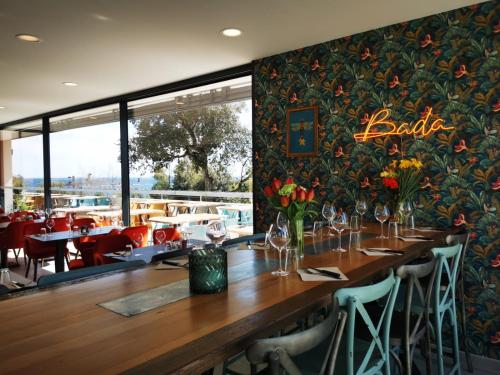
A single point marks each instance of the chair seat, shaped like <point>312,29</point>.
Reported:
<point>75,264</point>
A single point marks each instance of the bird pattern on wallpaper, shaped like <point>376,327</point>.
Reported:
<point>448,63</point>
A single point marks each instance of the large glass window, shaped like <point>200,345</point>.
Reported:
<point>190,153</point>
<point>22,167</point>
<point>85,163</point>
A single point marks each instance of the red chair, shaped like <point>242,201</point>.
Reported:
<point>135,233</point>
<point>171,234</point>
<point>83,242</point>
<point>37,250</point>
<point>12,238</point>
<point>60,224</point>
<point>109,244</point>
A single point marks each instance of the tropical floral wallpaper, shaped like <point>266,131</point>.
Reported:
<point>448,62</point>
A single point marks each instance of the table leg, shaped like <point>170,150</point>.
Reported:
<point>60,252</point>
<point>3,256</point>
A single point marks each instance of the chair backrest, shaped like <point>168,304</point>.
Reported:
<point>280,349</point>
<point>109,244</point>
<point>83,222</point>
<point>132,233</point>
<point>447,263</point>
<point>353,299</point>
<point>83,273</point>
<point>171,234</point>
<point>13,236</point>
<point>463,239</point>
<point>60,224</point>
<point>244,239</point>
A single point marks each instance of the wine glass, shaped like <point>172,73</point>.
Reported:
<point>329,213</point>
<point>216,232</point>
<point>339,224</point>
<point>279,237</point>
<point>381,214</point>
<point>160,236</point>
<point>406,209</point>
<point>69,222</point>
<point>361,208</point>
<point>50,224</point>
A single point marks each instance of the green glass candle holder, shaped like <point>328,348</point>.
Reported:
<point>207,271</point>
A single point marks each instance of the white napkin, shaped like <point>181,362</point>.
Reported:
<point>376,251</point>
<point>412,239</point>
<point>427,229</point>
<point>319,277</point>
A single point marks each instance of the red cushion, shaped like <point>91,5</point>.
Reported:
<point>75,264</point>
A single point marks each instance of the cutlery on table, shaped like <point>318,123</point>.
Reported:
<point>174,263</point>
<point>388,251</point>
<point>321,272</point>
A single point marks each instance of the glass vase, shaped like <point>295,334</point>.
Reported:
<point>298,236</point>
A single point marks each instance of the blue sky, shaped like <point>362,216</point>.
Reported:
<point>81,151</point>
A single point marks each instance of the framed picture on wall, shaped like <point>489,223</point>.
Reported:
<point>302,132</point>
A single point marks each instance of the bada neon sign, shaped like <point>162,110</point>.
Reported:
<point>379,125</point>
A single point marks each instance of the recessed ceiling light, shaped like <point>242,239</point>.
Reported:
<point>70,84</point>
<point>28,38</point>
<point>2,107</point>
<point>231,32</point>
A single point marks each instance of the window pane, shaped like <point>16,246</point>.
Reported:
<point>23,167</point>
<point>85,165</point>
<point>191,151</point>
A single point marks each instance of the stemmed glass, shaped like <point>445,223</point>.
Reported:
<point>381,214</point>
<point>329,213</point>
<point>216,232</point>
<point>406,209</point>
<point>50,224</point>
<point>279,237</point>
<point>339,224</point>
<point>69,222</point>
<point>361,208</point>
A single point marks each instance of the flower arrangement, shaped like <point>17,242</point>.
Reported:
<point>294,201</point>
<point>402,178</point>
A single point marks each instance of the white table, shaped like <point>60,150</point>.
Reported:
<point>241,230</point>
<point>82,209</point>
<point>184,219</point>
<point>192,206</point>
<point>134,212</point>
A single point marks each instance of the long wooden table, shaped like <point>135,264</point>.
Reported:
<point>61,329</point>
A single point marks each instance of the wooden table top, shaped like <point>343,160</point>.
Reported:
<point>62,329</point>
<point>184,218</point>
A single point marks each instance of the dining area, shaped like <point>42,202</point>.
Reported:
<point>257,188</point>
<point>262,302</point>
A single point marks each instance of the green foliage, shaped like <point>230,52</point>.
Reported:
<point>211,138</point>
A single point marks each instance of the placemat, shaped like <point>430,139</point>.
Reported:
<point>149,299</point>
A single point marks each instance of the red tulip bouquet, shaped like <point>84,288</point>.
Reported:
<point>295,202</point>
<point>402,179</point>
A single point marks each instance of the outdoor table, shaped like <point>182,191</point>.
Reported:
<point>82,209</point>
<point>241,230</point>
<point>184,219</point>
<point>189,336</point>
<point>61,238</point>
<point>134,212</point>
<point>193,206</point>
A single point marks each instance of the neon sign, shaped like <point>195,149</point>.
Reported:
<point>380,126</point>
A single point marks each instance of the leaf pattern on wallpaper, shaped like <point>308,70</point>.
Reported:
<point>449,62</point>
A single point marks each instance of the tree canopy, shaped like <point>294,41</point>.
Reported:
<point>211,138</point>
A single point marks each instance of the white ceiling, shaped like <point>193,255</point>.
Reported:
<point>111,47</point>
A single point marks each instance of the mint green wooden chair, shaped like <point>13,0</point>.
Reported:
<point>315,350</point>
<point>442,303</point>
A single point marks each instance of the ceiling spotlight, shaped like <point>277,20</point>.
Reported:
<point>28,38</point>
<point>1,107</point>
<point>231,32</point>
<point>70,84</point>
